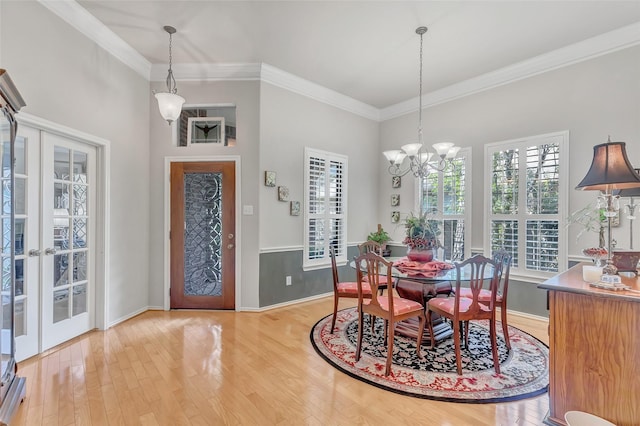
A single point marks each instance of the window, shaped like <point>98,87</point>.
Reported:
<point>526,200</point>
<point>325,208</point>
<point>446,196</point>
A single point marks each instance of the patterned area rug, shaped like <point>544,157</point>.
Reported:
<point>524,370</point>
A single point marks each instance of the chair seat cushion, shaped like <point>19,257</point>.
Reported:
<point>484,296</point>
<point>447,304</point>
<point>382,280</point>
<point>352,288</point>
<point>400,305</point>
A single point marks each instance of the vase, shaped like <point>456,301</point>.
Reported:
<point>420,254</point>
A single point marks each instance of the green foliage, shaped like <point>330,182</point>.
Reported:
<point>421,232</point>
<point>380,236</point>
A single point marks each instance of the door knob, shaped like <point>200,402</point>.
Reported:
<point>230,236</point>
<point>34,253</point>
<point>229,246</point>
<point>49,251</point>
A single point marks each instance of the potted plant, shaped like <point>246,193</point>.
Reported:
<point>421,237</point>
<point>381,237</point>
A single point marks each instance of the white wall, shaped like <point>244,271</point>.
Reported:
<point>290,122</point>
<point>592,100</point>
<point>245,95</point>
<point>67,79</point>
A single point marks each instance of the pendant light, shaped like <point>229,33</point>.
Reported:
<point>169,102</point>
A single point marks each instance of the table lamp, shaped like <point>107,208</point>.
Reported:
<point>610,171</point>
<point>632,192</point>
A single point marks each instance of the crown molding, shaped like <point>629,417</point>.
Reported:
<point>78,17</point>
<point>603,44</point>
<point>293,83</point>
<point>207,72</point>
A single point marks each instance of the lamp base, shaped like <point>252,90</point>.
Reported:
<point>610,270</point>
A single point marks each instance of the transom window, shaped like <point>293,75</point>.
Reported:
<point>446,196</point>
<point>526,198</point>
<point>325,207</point>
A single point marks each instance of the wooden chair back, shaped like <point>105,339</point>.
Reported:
<point>370,247</point>
<point>503,259</point>
<point>334,269</point>
<point>476,266</point>
<point>376,271</point>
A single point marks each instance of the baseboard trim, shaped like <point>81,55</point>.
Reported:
<point>129,316</point>
<point>528,316</point>
<point>286,304</point>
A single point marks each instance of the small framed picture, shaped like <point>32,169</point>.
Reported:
<point>396,181</point>
<point>395,217</point>
<point>294,209</point>
<point>283,193</point>
<point>205,130</point>
<point>395,200</point>
<point>269,178</point>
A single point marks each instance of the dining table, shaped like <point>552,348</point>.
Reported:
<point>421,281</point>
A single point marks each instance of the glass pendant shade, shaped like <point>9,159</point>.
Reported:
<point>610,169</point>
<point>170,105</point>
<point>412,149</point>
<point>442,148</point>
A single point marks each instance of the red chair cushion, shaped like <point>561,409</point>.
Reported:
<point>352,288</point>
<point>400,305</point>
<point>447,304</point>
<point>484,296</point>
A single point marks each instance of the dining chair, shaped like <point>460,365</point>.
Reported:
<point>344,289</point>
<point>462,309</point>
<point>503,259</point>
<point>374,247</point>
<point>389,307</point>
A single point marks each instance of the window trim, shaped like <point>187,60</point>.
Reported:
<point>468,197</point>
<point>563,201</point>
<point>325,261</point>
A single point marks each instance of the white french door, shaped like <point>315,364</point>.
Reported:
<point>58,230</point>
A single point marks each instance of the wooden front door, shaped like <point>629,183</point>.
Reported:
<point>203,235</point>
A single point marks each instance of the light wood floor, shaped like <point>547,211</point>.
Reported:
<point>215,368</point>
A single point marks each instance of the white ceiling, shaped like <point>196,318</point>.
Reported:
<point>367,50</point>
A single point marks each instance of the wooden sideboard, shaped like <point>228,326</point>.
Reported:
<point>594,349</point>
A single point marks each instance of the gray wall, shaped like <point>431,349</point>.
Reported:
<point>288,123</point>
<point>591,99</point>
<point>68,79</point>
<point>245,95</point>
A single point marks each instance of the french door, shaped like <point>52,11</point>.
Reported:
<point>55,266</point>
<point>203,235</point>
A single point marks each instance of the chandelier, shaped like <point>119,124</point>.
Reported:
<point>420,161</point>
<point>169,102</point>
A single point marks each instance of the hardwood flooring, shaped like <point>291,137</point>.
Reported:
<point>219,368</point>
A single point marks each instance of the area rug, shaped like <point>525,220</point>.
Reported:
<point>524,370</point>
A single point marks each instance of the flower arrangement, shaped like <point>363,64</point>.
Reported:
<point>421,232</point>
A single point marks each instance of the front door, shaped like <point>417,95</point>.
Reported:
<point>203,235</point>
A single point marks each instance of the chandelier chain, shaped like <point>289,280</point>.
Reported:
<point>172,87</point>
<point>420,95</point>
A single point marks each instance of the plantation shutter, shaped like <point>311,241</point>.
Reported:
<point>325,207</point>
<point>526,202</point>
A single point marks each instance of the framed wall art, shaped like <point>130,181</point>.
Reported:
<point>294,208</point>
<point>269,178</point>
<point>283,193</point>
<point>396,181</point>
<point>395,200</point>
<point>205,130</point>
<point>395,217</point>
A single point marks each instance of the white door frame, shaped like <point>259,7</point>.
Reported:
<point>103,160</point>
<point>167,220</point>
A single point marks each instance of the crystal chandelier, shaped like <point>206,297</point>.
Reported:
<point>169,102</point>
<point>420,161</point>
